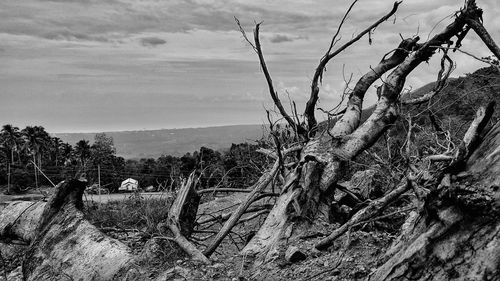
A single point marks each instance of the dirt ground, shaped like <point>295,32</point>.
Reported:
<point>353,256</point>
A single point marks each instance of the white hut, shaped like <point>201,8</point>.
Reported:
<point>129,184</point>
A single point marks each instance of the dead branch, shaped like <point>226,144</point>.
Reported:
<point>318,74</point>
<point>176,217</point>
<point>443,76</point>
<point>475,21</point>
<point>365,214</point>
<point>471,137</point>
<point>215,190</point>
<point>263,182</point>
<point>273,155</point>
<point>274,95</point>
<point>253,216</point>
<point>351,118</point>
<point>386,110</point>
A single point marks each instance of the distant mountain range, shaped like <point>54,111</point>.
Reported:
<point>175,142</point>
<point>459,100</point>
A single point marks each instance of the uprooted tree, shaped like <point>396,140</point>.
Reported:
<point>313,172</point>
<point>455,222</point>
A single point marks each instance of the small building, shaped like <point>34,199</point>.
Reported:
<point>129,184</point>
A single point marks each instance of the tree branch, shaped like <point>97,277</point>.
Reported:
<point>175,215</point>
<point>443,76</point>
<point>311,104</point>
<point>474,20</point>
<point>233,220</point>
<point>274,95</point>
<point>387,108</point>
<point>364,214</point>
<point>351,118</point>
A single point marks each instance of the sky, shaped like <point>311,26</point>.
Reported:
<point>110,65</point>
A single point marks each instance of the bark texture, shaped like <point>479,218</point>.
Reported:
<point>66,246</point>
<point>457,236</point>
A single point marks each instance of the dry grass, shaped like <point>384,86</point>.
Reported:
<point>135,213</point>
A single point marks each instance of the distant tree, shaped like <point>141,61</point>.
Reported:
<point>36,142</point>
<point>11,138</point>
<point>66,151</point>
<point>102,155</point>
<point>170,167</point>
<point>210,166</point>
<point>103,149</point>
<point>55,150</point>
<point>187,164</point>
<point>82,151</point>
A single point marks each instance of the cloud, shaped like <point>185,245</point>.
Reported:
<point>66,45</point>
<point>280,38</point>
<point>68,35</point>
<point>152,41</point>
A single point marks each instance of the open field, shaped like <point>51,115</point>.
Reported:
<point>103,198</point>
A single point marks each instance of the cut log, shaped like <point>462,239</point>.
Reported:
<point>19,220</point>
<point>66,245</point>
<point>63,245</point>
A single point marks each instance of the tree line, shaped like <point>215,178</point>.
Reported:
<point>31,157</point>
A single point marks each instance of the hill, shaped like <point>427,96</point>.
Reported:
<point>175,142</point>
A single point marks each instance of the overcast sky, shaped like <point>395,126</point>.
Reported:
<point>95,65</point>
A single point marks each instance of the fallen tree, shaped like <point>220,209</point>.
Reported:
<point>324,155</point>
<point>63,245</point>
<point>459,211</point>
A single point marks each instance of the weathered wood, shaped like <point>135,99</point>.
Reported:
<point>351,118</point>
<point>458,235</point>
<point>19,220</point>
<point>182,216</point>
<point>318,74</point>
<point>66,245</point>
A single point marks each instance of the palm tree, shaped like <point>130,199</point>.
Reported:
<point>82,150</point>
<point>66,153</point>
<point>36,141</point>
<point>56,148</point>
<point>11,139</point>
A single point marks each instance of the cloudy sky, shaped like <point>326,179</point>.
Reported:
<point>95,65</point>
